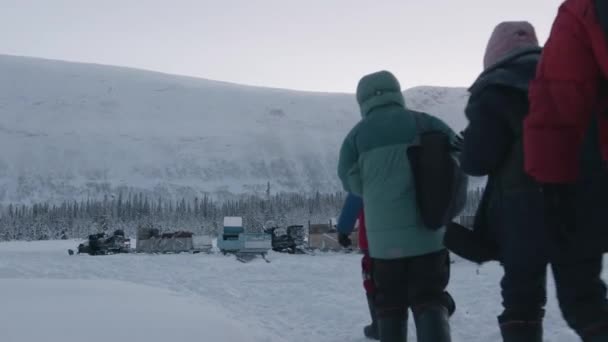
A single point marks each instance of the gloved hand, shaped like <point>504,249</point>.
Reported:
<point>458,142</point>
<point>560,210</point>
<point>344,240</point>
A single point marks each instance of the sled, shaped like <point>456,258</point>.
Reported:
<point>325,239</point>
<point>248,257</point>
<point>150,240</point>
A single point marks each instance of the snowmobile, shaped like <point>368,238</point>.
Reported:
<point>101,244</point>
<point>287,240</point>
<point>246,246</point>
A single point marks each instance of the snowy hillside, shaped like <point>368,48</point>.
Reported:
<point>70,130</point>
<point>51,296</point>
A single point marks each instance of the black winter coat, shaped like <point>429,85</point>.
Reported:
<point>493,147</point>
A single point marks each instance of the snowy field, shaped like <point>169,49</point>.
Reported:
<point>48,295</point>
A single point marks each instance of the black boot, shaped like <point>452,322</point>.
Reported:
<point>522,325</point>
<point>432,323</point>
<point>521,331</point>
<point>597,332</point>
<point>597,338</point>
<point>449,303</point>
<point>371,331</point>
<point>392,329</point>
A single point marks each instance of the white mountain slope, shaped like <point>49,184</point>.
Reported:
<point>69,130</point>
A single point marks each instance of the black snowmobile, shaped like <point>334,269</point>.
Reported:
<point>101,244</point>
<point>287,240</point>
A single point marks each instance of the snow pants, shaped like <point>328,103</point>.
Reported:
<point>526,249</point>
<point>412,282</point>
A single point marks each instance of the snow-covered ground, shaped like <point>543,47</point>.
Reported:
<point>48,295</point>
<point>108,310</point>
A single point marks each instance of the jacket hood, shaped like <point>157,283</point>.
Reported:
<point>507,37</point>
<point>514,70</point>
<point>377,90</point>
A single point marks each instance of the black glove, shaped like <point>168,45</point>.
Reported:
<point>458,143</point>
<point>344,240</point>
<point>560,210</point>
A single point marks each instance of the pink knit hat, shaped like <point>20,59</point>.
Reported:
<point>507,37</point>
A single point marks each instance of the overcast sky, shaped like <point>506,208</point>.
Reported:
<point>320,45</point>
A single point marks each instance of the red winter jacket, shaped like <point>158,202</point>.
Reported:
<point>362,232</point>
<point>566,93</point>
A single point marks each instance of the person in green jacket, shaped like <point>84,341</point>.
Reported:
<point>410,264</point>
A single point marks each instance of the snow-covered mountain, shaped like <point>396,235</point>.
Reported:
<point>69,130</point>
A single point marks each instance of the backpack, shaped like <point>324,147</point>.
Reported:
<point>441,186</point>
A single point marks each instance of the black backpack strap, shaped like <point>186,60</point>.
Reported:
<point>416,141</point>
<point>421,128</point>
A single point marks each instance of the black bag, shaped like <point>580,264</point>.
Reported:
<point>441,186</point>
<point>469,244</point>
<point>474,243</point>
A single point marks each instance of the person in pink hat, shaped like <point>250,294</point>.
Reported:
<point>512,216</point>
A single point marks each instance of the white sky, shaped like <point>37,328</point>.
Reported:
<point>321,45</point>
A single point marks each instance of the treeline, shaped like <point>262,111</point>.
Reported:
<point>78,219</point>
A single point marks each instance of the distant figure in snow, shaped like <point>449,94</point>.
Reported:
<point>511,210</point>
<point>411,267</point>
<point>351,213</point>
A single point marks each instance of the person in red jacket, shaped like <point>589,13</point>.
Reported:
<point>371,331</point>
<point>351,213</point>
<point>566,149</point>
<point>366,261</point>
<point>567,92</point>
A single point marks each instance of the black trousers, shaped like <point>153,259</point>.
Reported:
<point>411,283</point>
<point>527,247</point>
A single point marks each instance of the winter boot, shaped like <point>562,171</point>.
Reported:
<point>449,303</point>
<point>392,329</point>
<point>596,333</point>
<point>597,338</point>
<point>432,323</point>
<point>371,331</point>
<point>521,331</point>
